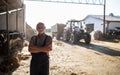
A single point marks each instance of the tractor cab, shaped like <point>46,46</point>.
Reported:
<point>75,25</point>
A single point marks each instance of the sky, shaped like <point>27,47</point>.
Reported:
<point>51,13</point>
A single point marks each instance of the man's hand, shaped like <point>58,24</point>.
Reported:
<point>36,49</point>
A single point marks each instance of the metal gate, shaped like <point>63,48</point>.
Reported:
<point>88,2</point>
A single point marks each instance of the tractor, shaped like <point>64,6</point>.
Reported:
<point>74,32</point>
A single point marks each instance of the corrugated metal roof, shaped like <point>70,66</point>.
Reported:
<point>12,4</point>
<point>107,17</point>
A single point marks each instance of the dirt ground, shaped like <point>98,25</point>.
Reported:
<point>98,58</point>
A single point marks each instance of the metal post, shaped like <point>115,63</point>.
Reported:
<point>7,26</point>
<point>16,15</point>
<point>104,18</point>
<point>24,27</point>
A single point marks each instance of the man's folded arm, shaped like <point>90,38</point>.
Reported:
<point>35,49</point>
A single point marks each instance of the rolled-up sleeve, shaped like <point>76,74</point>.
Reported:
<point>49,42</point>
<point>31,43</point>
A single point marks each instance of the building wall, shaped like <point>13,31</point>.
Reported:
<point>12,21</point>
<point>112,25</point>
<point>98,24</point>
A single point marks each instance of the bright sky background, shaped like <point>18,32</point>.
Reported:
<point>51,13</point>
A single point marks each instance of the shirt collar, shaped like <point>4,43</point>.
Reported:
<point>43,34</point>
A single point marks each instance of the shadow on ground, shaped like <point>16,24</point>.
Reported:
<point>98,48</point>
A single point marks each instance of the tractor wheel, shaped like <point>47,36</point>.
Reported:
<point>87,38</point>
<point>65,37</point>
<point>58,37</point>
<point>74,39</point>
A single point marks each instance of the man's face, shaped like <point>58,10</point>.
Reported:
<point>40,28</point>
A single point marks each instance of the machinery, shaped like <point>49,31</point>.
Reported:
<point>12,34</point>
<point>57,30</point>
<point>74,32</point>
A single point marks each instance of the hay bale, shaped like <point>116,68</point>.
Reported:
<point>96,35</point>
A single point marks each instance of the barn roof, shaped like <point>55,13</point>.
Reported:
<point>107,17</point>
<point>12,4</point>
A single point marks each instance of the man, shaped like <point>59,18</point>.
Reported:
<point>39,48</point>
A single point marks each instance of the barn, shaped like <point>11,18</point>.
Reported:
<point>95,22</point>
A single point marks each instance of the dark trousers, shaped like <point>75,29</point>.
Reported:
<point>39,64</point>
